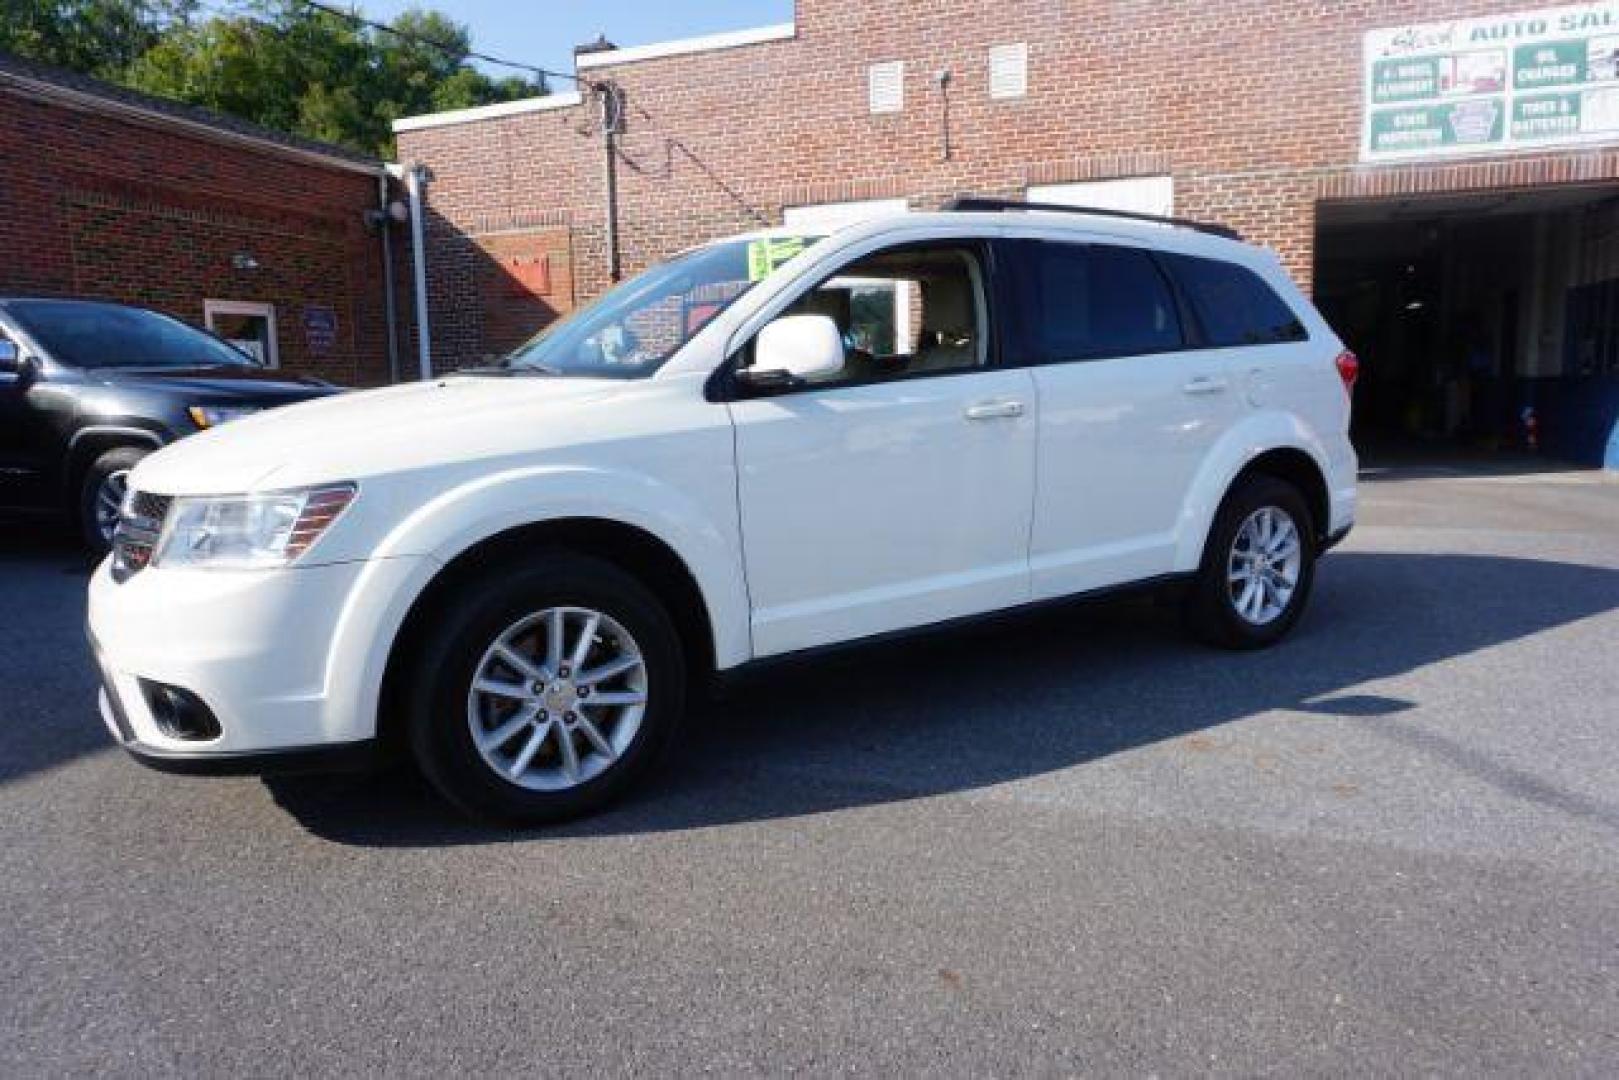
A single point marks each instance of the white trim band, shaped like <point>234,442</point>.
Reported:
<point>679,47</point>
<point>544,103</point>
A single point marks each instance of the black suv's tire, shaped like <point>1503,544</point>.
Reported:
<point>104,481</point>
<point>1221,609</point>
<point>461,645</point>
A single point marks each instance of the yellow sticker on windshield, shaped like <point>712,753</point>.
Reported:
<point>765,255</point>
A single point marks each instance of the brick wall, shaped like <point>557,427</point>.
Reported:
<point>101,206</point>
<point>1252,105</point>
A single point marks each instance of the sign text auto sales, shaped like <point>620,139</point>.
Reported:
<point>1541,78</point>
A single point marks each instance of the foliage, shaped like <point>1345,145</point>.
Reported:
<point>280,63</point>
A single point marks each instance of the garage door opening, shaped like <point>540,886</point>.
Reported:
<point>1486,322</point>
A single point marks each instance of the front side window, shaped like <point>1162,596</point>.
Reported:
<point>1234,305</point>
<point>633,330</point>
<point>905,311</point>
<point>89,335</point>
<point>1091,301</point>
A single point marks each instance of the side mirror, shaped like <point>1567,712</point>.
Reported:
<point>11,360</point>
<point>793,349</point>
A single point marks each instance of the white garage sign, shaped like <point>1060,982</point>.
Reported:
<point>1509,82</point>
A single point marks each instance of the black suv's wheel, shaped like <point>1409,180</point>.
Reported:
<point>101,492</point>
<point>544,689</point>
<point>1257,567</point>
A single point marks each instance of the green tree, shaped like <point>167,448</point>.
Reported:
<point>280,63</point>
<point>97,37</point>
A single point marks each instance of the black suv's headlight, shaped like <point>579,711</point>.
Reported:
<point>207,416</point>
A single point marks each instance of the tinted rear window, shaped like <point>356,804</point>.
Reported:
<point>1098,301</point>
<point>1234,305</point>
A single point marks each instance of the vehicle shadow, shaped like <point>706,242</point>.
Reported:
<point>1044,693</point>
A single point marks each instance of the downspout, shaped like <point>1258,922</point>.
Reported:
<point>389,305</point>
<point>416,178</point>
<point>612,109</point>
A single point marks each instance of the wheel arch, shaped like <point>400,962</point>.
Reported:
<point>1274,446</point>
<point>88,444</point>
<point>636,551</point>
<point>1295,467</point>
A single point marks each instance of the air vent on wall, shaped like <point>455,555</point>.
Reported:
<point>886,84</point>
<point>1009,70</point>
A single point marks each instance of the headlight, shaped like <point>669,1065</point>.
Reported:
<point>248,531</point>
<point>207,416</point>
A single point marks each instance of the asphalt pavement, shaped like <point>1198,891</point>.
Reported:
<point>1077,843</point>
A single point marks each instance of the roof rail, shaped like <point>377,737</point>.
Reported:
<point>965,203</point>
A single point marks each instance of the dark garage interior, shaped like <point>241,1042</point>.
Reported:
<point>1486,323</point>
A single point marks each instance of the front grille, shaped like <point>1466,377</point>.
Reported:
<point>143,504</point>
<point>139,527</point>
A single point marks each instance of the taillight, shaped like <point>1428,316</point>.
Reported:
<point>1348,370</point>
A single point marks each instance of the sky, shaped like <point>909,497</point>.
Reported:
<point>544,32</point>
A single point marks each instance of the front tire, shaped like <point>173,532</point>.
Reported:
<point>101,493</point>
<point>545,690</point>
<point>1258,566</point>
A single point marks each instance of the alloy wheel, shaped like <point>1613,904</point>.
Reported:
<point>557,698</point>
<point>110,501</point>
<point>1262,570</point>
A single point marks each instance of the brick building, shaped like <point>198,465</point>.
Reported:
<point>262,237</point>
<point>1442,173</point>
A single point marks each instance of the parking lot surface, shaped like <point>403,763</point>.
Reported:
<point>1077,842</point>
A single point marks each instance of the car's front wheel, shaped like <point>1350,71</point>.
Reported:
<point>1257,568</point>
<point>101,494</point>
<point>545,690</point>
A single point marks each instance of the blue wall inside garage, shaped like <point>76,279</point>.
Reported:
<point>1579,417</point>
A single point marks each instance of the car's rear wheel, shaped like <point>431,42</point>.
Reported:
<point>545,690</point>
<point>1257,567</point>
<point>101,494</point>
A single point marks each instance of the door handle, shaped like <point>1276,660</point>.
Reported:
<point>1204,384</point>
<point>994,410</point>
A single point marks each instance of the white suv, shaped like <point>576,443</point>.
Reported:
<point>772,443</point>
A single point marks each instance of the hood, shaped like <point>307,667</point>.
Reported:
<point>243,384</point>
<point>367,433</point>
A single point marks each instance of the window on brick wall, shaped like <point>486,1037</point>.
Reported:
<point>885,85</point>
<point>1009,70</point>
<point>247,324</point>
<point>1137,194</point>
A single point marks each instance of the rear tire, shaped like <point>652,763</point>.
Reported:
<point>511,728</point>
<point>101,491</point>
<point>1258,566</point>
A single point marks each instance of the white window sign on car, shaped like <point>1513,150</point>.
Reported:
<point>518,574</point>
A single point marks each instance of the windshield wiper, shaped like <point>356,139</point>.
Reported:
<point>508,369</point>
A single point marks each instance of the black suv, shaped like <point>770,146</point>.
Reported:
<point>89,388</point>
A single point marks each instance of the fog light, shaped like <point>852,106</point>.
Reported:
<point>180,714</point>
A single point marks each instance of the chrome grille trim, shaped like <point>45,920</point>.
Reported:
<point>140,524</point>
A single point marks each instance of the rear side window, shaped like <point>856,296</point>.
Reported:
<point>1094,301</point>
<point>1234,305</point>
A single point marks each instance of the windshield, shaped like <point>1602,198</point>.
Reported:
<point>632,330</point>
<point>111,335</point>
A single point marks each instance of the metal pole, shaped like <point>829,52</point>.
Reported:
<point>415,181</point>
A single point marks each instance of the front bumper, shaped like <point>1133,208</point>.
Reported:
<point>289,662</point>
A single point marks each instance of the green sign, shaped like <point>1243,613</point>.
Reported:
<point>1550,63</point>
<point>1426,127</point>
<point>1546,116</point>
<point>765,255</point>
<point>1405,80</point>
